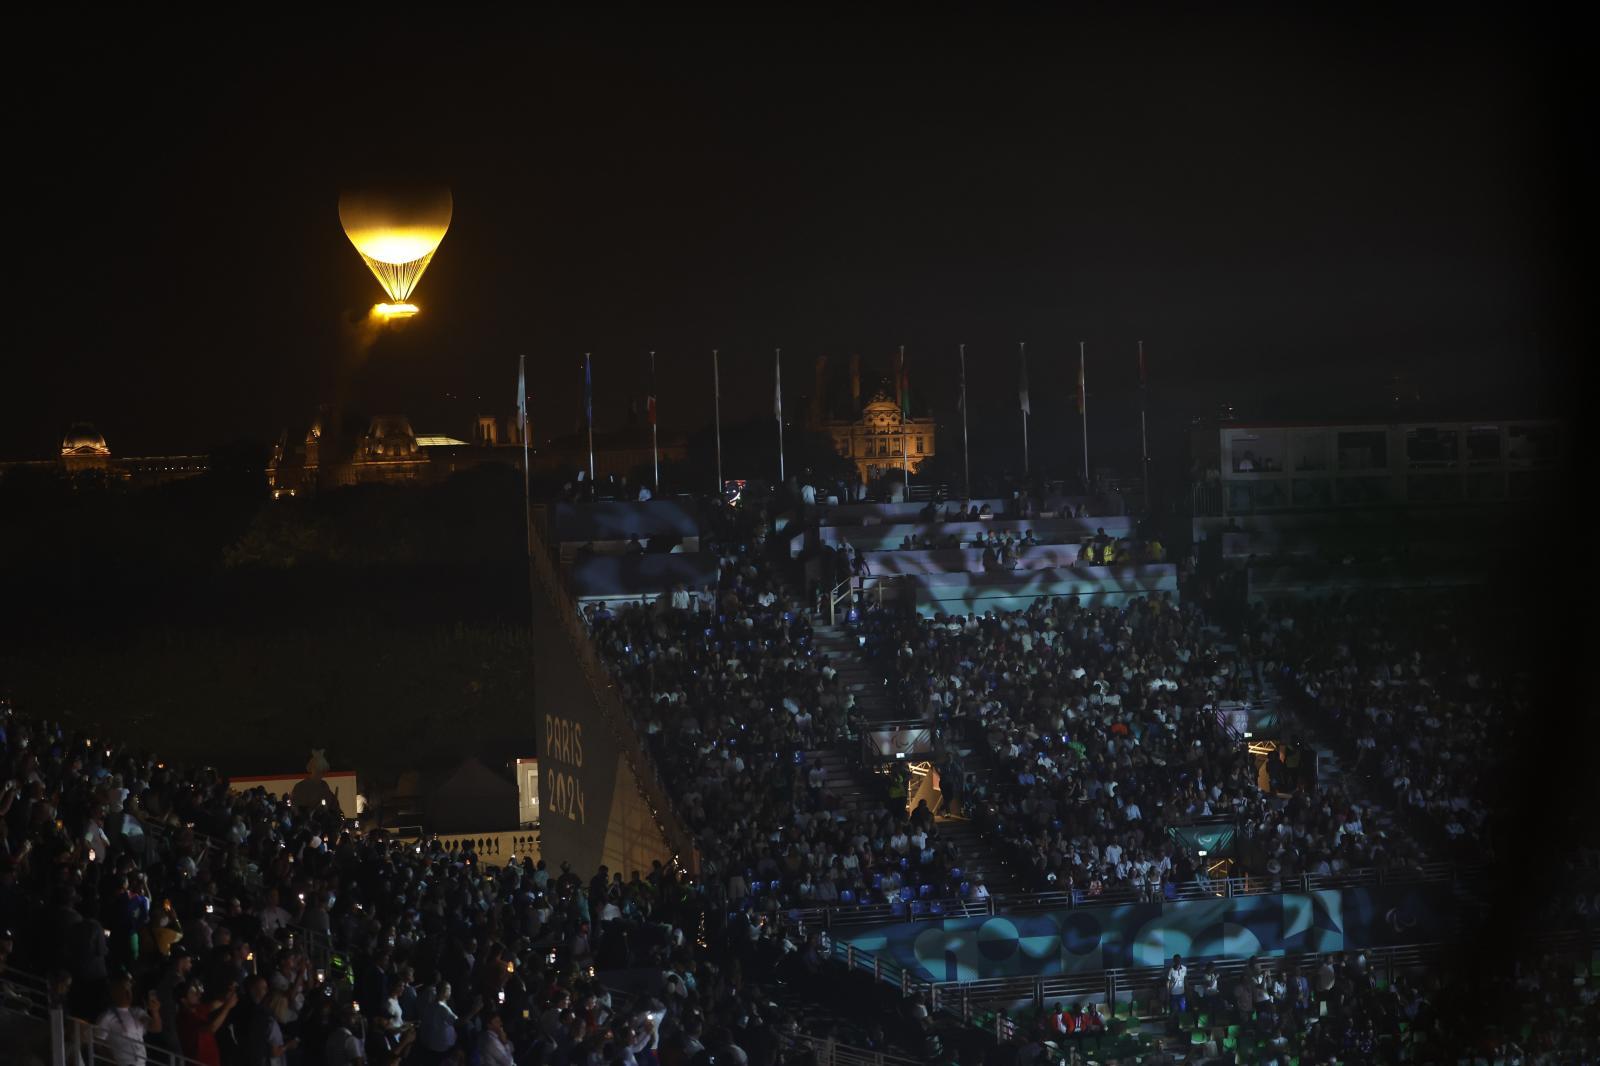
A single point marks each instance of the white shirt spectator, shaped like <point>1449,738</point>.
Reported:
<point>493,1049</point>
<point>123,1029</point>
<point>273,918</point>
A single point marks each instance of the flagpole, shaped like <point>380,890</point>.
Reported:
<point>716,392</point>
<point>777,406</point>
<point>1083,404</point>
<point>1144,439</point>
<point>522,419</point>
<point>588,405</point>
<point>966,467</point>
<point>1022,352</point>
<point>655,450</point>
<point>905,406</point>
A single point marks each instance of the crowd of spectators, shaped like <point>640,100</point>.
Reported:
<point>733,699</point>
<point>1341,1008</point>
<point>242,929</point>
<point>1402,675</point>
<point>1102,729</point>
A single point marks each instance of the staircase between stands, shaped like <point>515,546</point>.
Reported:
<point>846,775</point>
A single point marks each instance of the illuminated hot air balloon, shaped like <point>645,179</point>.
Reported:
<point>396,230</point>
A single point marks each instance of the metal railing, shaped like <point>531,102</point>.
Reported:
<point>617,720</point>
<point>493,848</point>
<point>966,999</point>
<point>862,594</point>
<point>73,1041</point>
<point>837,595</point>
<point>833,1053</point>
<point>846,916</point>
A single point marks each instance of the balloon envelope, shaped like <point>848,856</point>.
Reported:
<point>396,230</point>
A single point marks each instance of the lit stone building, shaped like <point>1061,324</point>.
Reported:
<point>85,454</point>
<point>882,440</point>
<point>390,452</point>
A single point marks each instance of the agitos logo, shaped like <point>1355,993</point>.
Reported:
<point>562,792</point>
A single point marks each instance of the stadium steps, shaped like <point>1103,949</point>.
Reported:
<point>1331,771</point>
<point>844,781</point>
<point>844,653</point>
<point>976,857</point>
<point>978,860</point>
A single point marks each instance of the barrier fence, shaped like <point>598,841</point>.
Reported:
<point>833,1053</point>
<point>853,916</point>
<point>1139,985</point>
<point>44,1028</point>
<point>493,848</point>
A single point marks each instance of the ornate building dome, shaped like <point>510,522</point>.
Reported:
<point>83,439</point>
<point>391,437</point>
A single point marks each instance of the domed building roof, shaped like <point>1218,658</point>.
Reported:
<point>83,439</point>
<point>881,410</point>
<point>391,437</point>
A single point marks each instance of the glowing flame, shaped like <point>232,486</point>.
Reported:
<point>394,310</point>
<point>397,232</point>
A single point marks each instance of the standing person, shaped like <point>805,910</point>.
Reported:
<point>1177,986</point>
<point>253,1031</point>
<point>437,1031</point>
<point>198,1022</point>
<point>343,1046</point>
<point>123,1026</point>
<point>494,1047</point>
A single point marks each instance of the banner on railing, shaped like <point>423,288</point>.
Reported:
<point>1089,939</point>
<point>1211,841</point>
<point>899,743</point>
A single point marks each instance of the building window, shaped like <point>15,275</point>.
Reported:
<point>1363,450</point>
<point>1532,444</point>
<point>1356,491</point>
<point>920,449</point>
<point>1483,444</point>
<point>1310,451</point>
<point>1312,492</point>
<point>1486,485</point>
<point>1433,488</point>
<point>1256,452</point>
<point>1533,484</point>
<point>1428,446</point>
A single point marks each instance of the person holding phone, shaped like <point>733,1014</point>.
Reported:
<point>123,1026</point>
<point>494,1047</point>
<point>199,1020</point>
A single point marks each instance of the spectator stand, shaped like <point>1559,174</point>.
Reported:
<point>1132,1001</point>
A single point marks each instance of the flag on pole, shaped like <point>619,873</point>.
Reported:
<point>1080,380</point>
<point>1142,379</point>
<point>650,400</point>
<point>522,397</point>
<point>777,389</point>
<point>961,401</point>
<point>588,393</point>
<point>777,403</point>
<point>1022,386</point>
<point>902,384</point>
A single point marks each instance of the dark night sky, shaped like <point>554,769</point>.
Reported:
<point>1286,212</point>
